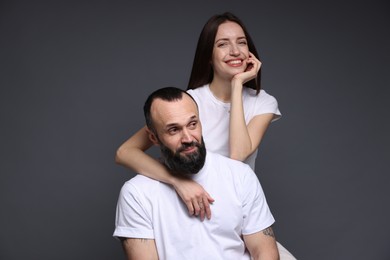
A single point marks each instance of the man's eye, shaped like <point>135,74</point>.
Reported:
<point>193,125</point>
<point>172,130</point>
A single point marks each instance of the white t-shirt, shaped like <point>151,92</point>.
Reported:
<point>153,210</point>
<point>214,115</point>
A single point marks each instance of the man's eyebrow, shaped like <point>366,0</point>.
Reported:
<point>171,125</point>
<point>192,118</point>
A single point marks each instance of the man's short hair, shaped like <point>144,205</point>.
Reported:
<point>167,94</point>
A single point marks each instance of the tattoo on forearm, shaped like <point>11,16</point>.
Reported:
<point>269,232</point>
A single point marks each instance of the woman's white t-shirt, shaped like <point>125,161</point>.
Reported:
<point>214,116</point>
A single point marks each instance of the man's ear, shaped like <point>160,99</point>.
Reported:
<point>152,136</point>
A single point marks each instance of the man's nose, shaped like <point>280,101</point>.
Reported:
<point>186,136</point>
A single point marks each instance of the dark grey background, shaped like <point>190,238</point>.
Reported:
<point>75,74</point>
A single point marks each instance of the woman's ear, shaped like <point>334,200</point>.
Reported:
<point>152,137</point>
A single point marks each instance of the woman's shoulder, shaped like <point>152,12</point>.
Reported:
<point>200,93</point>
<point>263,96</point>
<point>260,104</point>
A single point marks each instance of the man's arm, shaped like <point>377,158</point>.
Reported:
<point>139,249</point>
<point>262,245</point>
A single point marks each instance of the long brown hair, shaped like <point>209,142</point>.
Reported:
<point>202,71</point>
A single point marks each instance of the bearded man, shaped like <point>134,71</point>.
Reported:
<point>152,221</point>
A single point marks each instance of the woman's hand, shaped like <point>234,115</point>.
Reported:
<point>195,197</point>
<point>253,67</point>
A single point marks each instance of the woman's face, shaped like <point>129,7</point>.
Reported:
<point>230,51</point>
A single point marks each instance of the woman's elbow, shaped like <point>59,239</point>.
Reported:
<point>120,154</point>
<point>238,156</point>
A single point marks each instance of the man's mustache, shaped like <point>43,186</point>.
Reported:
<point>188,145</point>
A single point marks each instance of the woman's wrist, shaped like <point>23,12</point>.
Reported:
<point>236,89</point>
<point>174,181</point>
<point>236,84</point>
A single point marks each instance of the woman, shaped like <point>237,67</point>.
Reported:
<point>234,116</point>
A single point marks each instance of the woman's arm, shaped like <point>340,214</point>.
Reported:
<point>131,155</point>
<point>245,139</point>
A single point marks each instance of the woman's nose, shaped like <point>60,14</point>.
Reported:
<point>234,50</point>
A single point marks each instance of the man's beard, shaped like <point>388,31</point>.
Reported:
<point>183,165</point>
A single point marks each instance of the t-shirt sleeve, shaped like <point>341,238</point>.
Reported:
<point>194,95</point>
<point>266,103</point>
<point>132,217</point>
<point>257,215</point>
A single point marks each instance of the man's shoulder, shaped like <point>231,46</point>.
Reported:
<point>231,172</point>
<point>224,161</point>
<point>217,156</point>
<point>139,182</point>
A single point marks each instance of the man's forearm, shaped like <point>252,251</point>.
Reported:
<point>139,249</point>
<point>262,245</point>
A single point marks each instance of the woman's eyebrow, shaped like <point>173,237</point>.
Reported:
<point>227,39</point>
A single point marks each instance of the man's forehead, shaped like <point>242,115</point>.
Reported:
<point>176,111</point>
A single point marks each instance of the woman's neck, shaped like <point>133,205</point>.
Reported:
<point>221,90</point>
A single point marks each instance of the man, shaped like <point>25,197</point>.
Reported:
<point>152,221</point>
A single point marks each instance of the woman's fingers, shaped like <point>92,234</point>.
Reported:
<point>202,206</point>
<point>207,208</point>
<point>256,63</point>
<point>207,200</point>
<point>190,207</point>
<point>251,71</point>
<point>199,208</point>
<point>195,197</point>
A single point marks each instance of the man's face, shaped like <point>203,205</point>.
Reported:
<point>179,134</point>
<point>183,165</point>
